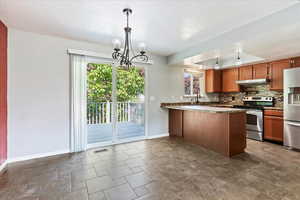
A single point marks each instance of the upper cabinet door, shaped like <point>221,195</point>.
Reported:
<point>296,62</point>
<point>229,78</point>
<point>213,81</point>
<point>246,73</point>
<point>277,73</point>
<point>261,71</point>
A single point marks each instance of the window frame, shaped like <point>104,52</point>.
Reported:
<point>192,74</point>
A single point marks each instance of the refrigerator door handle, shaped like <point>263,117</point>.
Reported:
<point>293,124</point>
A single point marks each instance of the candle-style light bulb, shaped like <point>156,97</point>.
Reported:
<point>142,47</point>
<point>117,44</point>
<point>238,61</point>
<point>217,66</point>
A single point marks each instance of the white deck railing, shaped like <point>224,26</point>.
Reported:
<point>101,113</point>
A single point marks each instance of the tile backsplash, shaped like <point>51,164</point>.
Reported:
<point>255,90</point>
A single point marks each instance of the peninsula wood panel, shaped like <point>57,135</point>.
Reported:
<point>175,122</point>
<point>229,78</point>
<point>213,81</point>
<point>218,138</point>
<point>237,137</point>
<point>197,130</point>
<point>246,73</point>
<point>3,93</point>
<point>276,72</point>
<point>261,71</point>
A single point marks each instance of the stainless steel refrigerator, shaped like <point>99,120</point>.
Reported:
<point>292,108</point>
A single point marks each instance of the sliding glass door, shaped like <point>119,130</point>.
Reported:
<point>130,103</point>
<point>115,104</point>
<point>99,103</point>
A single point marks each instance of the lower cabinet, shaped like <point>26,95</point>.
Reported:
<point>273,125</point>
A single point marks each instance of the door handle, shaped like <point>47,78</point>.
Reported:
<point>293,124</point>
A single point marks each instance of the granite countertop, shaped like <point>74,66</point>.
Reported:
<point>221,105</point>
<point>210,109</point>
<point>209,104</point>
<point>231,106</point>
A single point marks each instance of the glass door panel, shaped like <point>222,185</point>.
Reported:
<point>130,103</point>
<point>99,103</point>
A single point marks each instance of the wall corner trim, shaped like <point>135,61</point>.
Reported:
<point>34,156</point>
<point>3,167</point>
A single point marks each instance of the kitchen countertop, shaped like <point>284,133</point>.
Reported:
<point>222,105</point>
<point>207,104</point>
<point>210,109</point>
<point>231,106</point>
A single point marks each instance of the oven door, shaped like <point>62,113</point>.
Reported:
<point>254,120</point>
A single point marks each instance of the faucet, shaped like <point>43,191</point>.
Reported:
<point>197,95</point>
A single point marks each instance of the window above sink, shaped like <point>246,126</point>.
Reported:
<point>192,82</point>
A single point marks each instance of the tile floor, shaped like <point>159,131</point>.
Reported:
<point>167,169</point>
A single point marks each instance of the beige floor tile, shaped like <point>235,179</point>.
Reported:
<point>136,180</point>
<point>121,192</point>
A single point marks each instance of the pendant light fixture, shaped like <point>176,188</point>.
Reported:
<point>238,61</point>
<point>126,56</point>
<point>217,66</point>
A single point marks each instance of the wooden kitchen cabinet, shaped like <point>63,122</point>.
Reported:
<point>213,81</point>
<point>229,78</point>
<point>273,125</point>
<point>277,113</point>
<point>261,71</point>
<point>246,73</point>
<point>276,72</point>
<point>296,62</point>
<point>175,122</point>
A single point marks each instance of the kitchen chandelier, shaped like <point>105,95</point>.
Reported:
<point>126,56</point>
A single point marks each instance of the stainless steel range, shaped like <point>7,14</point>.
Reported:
<point>255,106</point>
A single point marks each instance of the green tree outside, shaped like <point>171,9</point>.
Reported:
<point>130,83</point>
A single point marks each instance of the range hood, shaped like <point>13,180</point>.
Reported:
<point>253,81</point>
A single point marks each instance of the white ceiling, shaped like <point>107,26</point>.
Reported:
<point>166,26</point>
<point>273,37</point>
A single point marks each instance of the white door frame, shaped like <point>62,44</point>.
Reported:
<point>114,88</point>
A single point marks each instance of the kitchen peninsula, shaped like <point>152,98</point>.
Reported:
<point>222,130</point>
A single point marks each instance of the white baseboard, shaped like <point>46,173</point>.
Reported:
<point>3,166</point>
<point>158,136</point>
<point>33,156</point>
